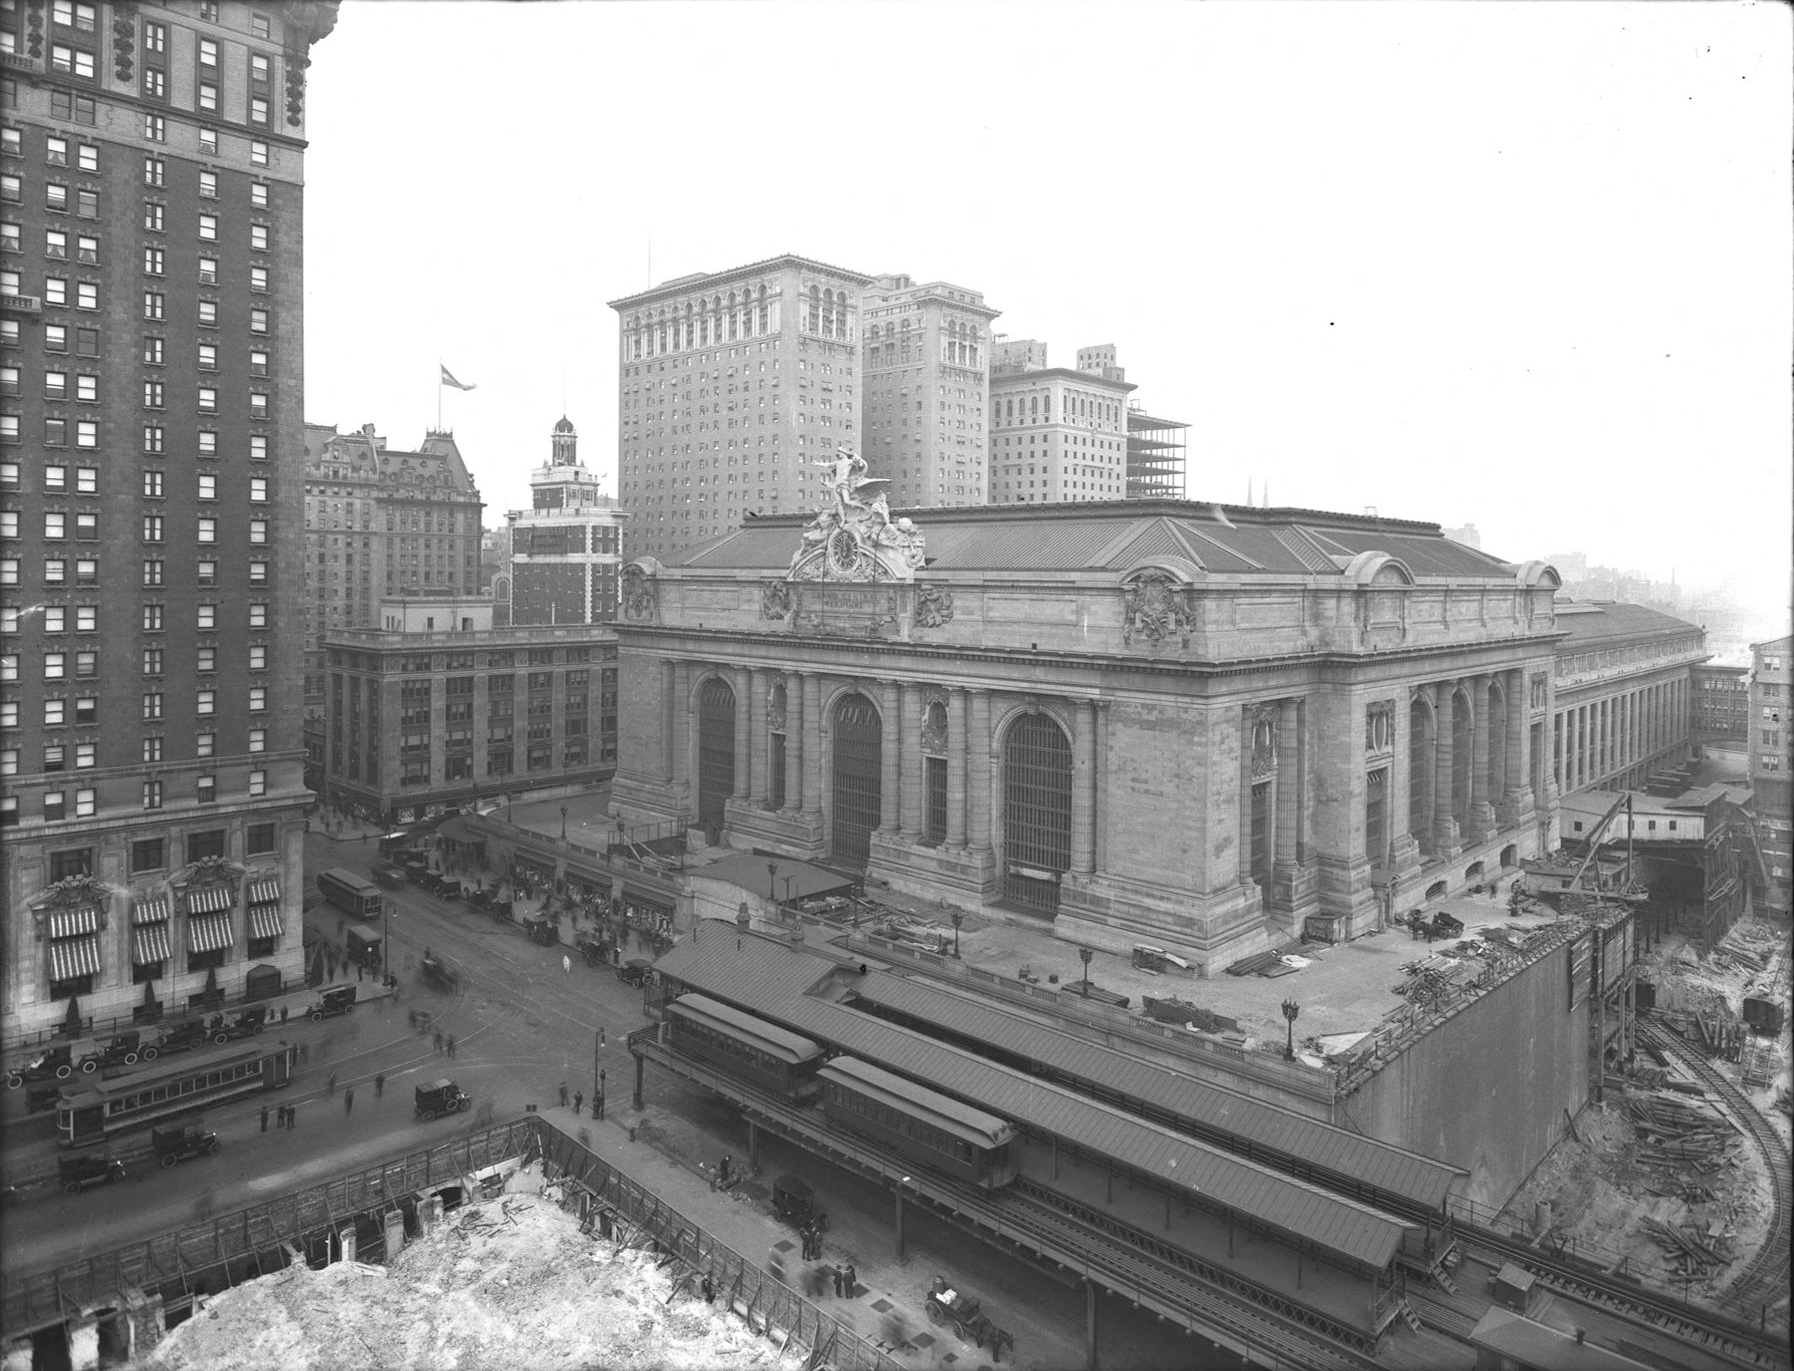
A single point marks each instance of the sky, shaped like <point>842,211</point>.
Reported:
<point>1522,266</point>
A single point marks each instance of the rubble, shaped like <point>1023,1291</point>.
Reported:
<point>501,1284</point>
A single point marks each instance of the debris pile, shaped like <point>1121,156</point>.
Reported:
<point>1674,1134</point>
<point>1693,1253</point>
<point>501,1284</point>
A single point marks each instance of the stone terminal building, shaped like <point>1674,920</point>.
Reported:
<point>1209,728</point>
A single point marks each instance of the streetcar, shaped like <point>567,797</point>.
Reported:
<point>771,1057</point>
<point>91,1113</point>
<point>350,892</point>
<point>924,1125</point>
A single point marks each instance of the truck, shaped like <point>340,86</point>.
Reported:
<point>333,999</point>
<point>76,1174</point>
<point>173,1145</point>
<point>440,1097</point>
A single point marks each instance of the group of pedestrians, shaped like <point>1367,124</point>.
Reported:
<point>283,1117</point>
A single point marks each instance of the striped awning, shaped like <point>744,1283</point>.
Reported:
<point>72,957</point>
<point>152,909</point>
<point>264,891</point>
<point>209,932</point>
<point>210,899</point>
<point>264,921</point>
<point>71,923</point>
<point>149,944</point>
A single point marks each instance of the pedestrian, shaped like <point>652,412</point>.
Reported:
<point>359,971</point>
<point>292,1116</point>
<point>283,1013</point>
<point>264,1118</point>
<point>579,1100</point>
<point>598,1105</point>
<point>723,1170</point>
<point>566,964</point>
<point>348,1099</point>
<point>563,1094</point>
<point>451,1047</point>
<point>709,1289</point>
<point>851,1279</point>
<point>836,1272</point>
<point>438,1039</point>
<point>379,1085</point>
<point>330,1086</point>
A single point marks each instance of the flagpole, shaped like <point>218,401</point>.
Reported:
<point>439,395</point>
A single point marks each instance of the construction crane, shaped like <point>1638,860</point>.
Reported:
<point>1594,838</point>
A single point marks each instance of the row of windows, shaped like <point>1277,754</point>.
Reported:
<point>56,804</point>
<point>58,756</point>
<point>58,712</point>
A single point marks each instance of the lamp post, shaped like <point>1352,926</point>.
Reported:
<point>742,921</point>
<point>1290,1010</point>
<point>788,881</point>
<point>563,823</point>
<point>772,881</point>
<point>958,917</point>
<point>1085,953</point>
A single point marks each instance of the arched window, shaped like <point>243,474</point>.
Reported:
<point>857,775</point>
<point>814,325</point>
<point>716,751</point>
<point>1036,811</point>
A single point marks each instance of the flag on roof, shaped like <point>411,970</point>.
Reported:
<point>448,379</point>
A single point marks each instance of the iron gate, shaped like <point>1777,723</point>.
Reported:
<point>858,776</point>
<point>1036,811</point>
<point>716,752</point>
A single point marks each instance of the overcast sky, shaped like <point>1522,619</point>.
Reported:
<point>1523,266</point>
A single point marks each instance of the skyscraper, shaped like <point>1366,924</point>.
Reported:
<point>1055,434</point>
<point>151,501</point>
<point>731,386</point>
<point>566,548</point>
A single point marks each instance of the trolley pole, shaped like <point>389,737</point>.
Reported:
<point>597,1039</point>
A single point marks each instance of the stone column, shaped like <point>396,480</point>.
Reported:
<point>795,747</point>
<point>1445,822</point>
<point>1099,781</point>
<point>890,755</point>
<point>1288,842</point>
<point>913,769</point>
<point>1083,798</point>
<point>759,747</point>
<point>1516,795</point>
<point>669,716</point>
<point>979,794</point>
<point>1480,817</point>
<point>812,746</point>
<point>682,723</point>
<point>957,753</point>
<point>743,681</point>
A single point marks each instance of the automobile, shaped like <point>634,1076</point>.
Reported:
<point>53,1063</point>
<point>240,1024</point>
<point>437,972</point>
<point>591,950</point>
<point>543,931</point>
<point>79,1173</point>
<point>177,1144</point>
<point>122,1050</point>
<point>389,874</point>
<point>440,1097</point>
<point>333,999</point>
<point>182,1037</point>
<point>793,1200</point>
<point>635,971</point>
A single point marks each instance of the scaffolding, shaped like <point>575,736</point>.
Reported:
<point>1155,456</point>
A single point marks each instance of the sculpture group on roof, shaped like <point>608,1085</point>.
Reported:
<point>853,538</point>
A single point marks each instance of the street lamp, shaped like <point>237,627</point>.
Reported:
<point>1084,952</point>
<point>1290,1010</point>
<point>772,881</point>
<point>958,917</point>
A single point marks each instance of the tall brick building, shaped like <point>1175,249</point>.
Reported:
<point>151,502</point>
<point>1056,434</point>
<point>1772,681</point>
<point>730,386</point>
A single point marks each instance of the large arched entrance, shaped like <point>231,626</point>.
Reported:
<point>1036,811</point>
<point>858,778</point>
<point>716,752</point>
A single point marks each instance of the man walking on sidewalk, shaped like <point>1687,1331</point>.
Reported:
<point>379,1085</point>
<point>579,1100</point>
<point>563,1094</point>
<point>264,1118</point>
<point>348,1099</point>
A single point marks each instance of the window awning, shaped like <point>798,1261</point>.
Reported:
<point>72,957</point>
<point>264,891</point>
<point>264,921</point>
<point>71,923</point>
<point>210,899</point>
<point>152,909</point>
<point>149,944</point>
<point>209,932</point>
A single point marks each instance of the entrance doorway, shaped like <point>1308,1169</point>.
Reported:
<point>1036,811</point>
<point>858,778</point>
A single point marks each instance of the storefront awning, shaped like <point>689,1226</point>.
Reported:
<point>153,909</point>
<point>209,932</point>
<point>264,921</point>
<point>71,923</point>
<point>264,891</point>
<point>72,957</point>
<point>210,899</point>
<point>149,944</point>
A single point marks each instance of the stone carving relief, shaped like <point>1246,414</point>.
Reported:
<point>775,709</point>
<point>776,599</point>
<point>934,727</point>
<point>1263,723</point>
<point>1379,726</point>
<point>853,537</point>
<point>934,606</point>
<point>1155,607</point>
<point>124,43</point>
<point>640,594</point>
<point>1539,690</point>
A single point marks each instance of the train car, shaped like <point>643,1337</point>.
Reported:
<point>92,1113</point>
<point>350,892</point>
<point>932,1129</point>
<point>770,1057</point>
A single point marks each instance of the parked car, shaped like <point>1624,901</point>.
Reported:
<point>543,931</point>
<point>53,1063</point>
<point>389,874</point>
<point>182,1037</point>
<point>793,1200</point>
<point>122,1050</point>
<point>177,1144</point>
<point>79,1173</point>
<point>635,971</point>
<point>240,1024</point>
<point>440,1097</point>
<point>333,999</point>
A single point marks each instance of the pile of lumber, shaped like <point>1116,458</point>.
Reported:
<point>1692,1252</point>
<point>1673,1132</point>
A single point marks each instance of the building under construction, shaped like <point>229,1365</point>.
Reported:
<point>1155,456</point>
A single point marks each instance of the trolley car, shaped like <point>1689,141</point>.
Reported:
<point>92,1113</point>
<point>932,1129</point>
<point>770,1057</point>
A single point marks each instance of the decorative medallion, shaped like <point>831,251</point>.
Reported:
<point>852,537</point>
<point>81,889</point>
<point>207,871</point>
<point>1155,608</point>
<point>295,72</point>
<point>776,599</point>
<point>934,606</point>
<point>1263,720</point>
<point>639,593</point>
<point>1379,726</point>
